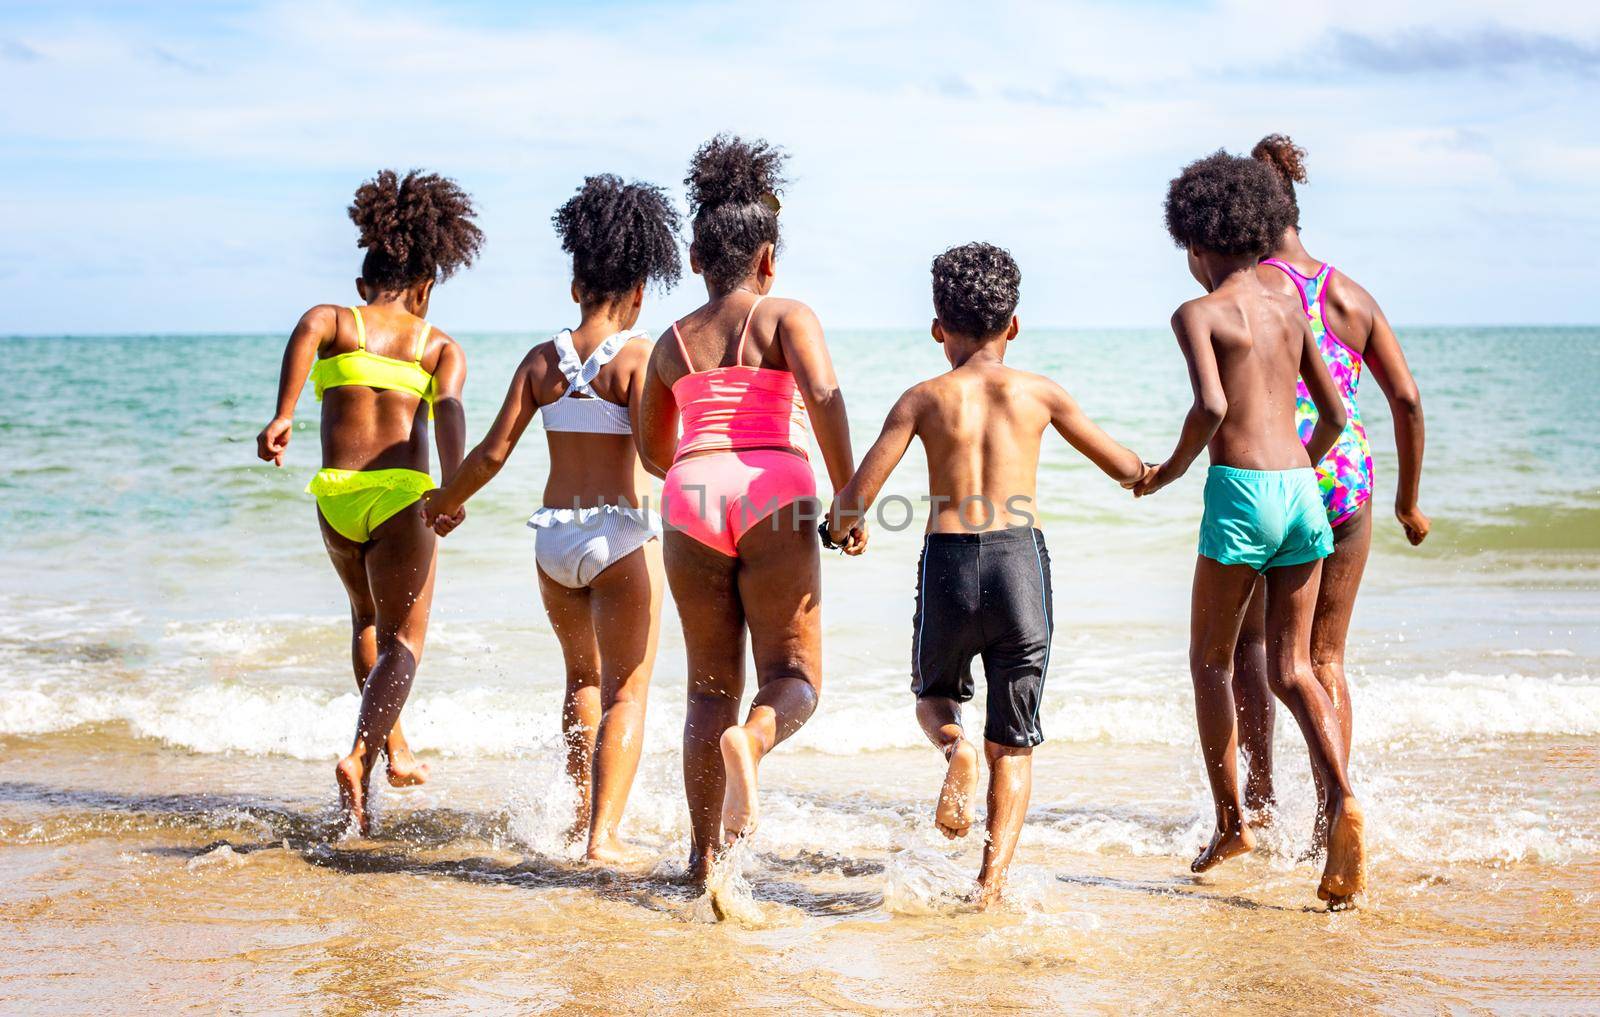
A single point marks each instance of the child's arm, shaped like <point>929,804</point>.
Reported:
<point>449,418</point>
<point>1210,401</point>
<point>847,517</point>
<point>443,508</point>
<point>315,327</point>
<point>1393,375</point>
<point>655,418</point>
<point>806,353</point>
<point>1325,394</point>
<point>1115,460</point>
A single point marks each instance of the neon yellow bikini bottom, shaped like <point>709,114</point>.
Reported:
<point>356,502</point>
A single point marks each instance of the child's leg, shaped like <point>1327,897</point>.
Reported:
<point>1253,704</point>
<point>1010,784</point>
<point>570,617</point>
<point>705,589</point>
<point>780,586</point>
<point>400,563</point>
<point>1291,604</point>
<point>626,604</point>
<point>1221,593</point>
<point>940,718</point>
<point>1330,627</point>
<point>349,561</point>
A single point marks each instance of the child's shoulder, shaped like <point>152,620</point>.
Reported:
<point>1007,382</point>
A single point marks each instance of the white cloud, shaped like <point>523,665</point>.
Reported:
<point>1051,128</point>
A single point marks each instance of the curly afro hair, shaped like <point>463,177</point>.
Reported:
<point>733,188</point>
<point>1281,153</point>
<point>1227,204</point>
<point>413,228</point>
<point>975,289</point>
<point>619,235</point>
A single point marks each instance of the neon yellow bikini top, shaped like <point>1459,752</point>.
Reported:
<point>363,367</point>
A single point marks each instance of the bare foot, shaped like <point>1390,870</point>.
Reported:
<point>610,850</point>
<point>1224,845</point>
<point>700,869</point>
<point>405,770</point>
<point>987,896</point>
<point>954,815</point>
<point>1345,874</point>
<point>1258,802</point>
<point>352,778</point>
<point>739,795</point>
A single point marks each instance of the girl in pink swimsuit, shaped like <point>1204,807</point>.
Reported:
<point>1354,336</point>
<point>744,373</point>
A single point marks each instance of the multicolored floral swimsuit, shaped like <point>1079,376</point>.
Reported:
<point>1345,474</point>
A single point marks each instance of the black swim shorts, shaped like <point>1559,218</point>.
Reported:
<point>985,595</point>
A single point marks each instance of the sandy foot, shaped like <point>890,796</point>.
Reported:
<point>954,814</point>
<point>1225,844</point>
<point>739,806</point>
<point>1345,874</point>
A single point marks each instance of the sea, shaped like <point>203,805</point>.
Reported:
<point>175,687</point>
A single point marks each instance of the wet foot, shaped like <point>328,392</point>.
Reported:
<point>405,770</point>
<point>1259,802</point>
<point>610,850</point>
<point>954,814</point>
<point>700,869</point>
<point>987,895</point>
<point>1225,844</point>
<point>739,794</point>
<point>352,778</point>
<point>1345,874</point>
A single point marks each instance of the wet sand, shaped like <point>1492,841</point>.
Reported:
<point>129,882</point>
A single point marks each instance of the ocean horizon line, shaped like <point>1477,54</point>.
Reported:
<point>893,329</point>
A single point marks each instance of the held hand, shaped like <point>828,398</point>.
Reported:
<point>1414,523</point>
<point>1154,479</point>
<point>433,512</point>
<point>273,441</point>
<point>1145,470</point>
<point>855,539</point>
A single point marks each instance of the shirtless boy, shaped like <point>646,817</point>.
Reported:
<point>983,586</point>
<point>1245,344</point>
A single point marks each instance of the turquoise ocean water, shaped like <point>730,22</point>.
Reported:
<point>161,583</point>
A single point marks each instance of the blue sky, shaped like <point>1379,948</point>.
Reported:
<point>186,167</point>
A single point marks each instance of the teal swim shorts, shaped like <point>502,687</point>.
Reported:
<point>1264,518</point>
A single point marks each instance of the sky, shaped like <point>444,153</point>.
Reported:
<point>186,167</point>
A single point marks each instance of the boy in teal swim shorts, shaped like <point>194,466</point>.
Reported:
<point>1245,346</point>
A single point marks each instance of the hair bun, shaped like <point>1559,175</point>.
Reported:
<point>1281,153</point>
<point>727,170</point>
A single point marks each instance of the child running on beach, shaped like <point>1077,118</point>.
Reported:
<point>983,583</point>
<point>744,373</point>
<point>596,544</point>
<point>1355,338</point>
<point>383,372</point>
<point>1245,345</point>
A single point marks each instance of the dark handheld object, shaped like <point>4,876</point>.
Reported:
<point>827,539</point>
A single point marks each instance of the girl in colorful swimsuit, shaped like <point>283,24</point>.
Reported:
<point>1264,522</point>
<point>595,543</point>
<point>1352,334</point>
<point>744,372</point>
<point>382,373</point>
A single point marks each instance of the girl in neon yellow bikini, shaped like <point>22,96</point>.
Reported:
<point>375,368</point>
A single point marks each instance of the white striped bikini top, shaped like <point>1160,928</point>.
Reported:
<point>580,408</point>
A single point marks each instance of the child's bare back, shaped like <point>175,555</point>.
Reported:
<point>981,425</point>
<point>983,586</point>
<point>1259,339</point>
